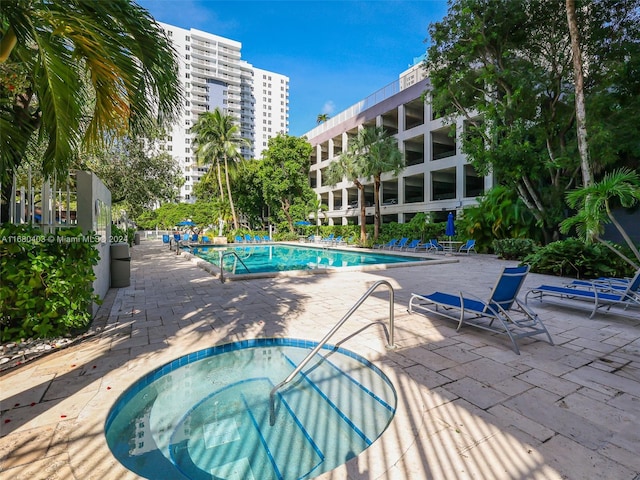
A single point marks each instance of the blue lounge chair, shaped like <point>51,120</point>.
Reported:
<point>337,240</point>
<point>610,282</point>
<point>413,245</point>
<point>400,245</point>
<point>205,239</point>
<point>248,239</point>
<point>266,238</point>
<point>165,238</point>
<point>194,237</point>
<point>389,244</point>
<point>329,239</point>
<point>468,247</point>
<point>427,246</point>
<point>238,239</point>
<point>595,292</point>
<point>501,313</point>
<point>436,246</point>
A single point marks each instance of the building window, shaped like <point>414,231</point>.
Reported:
<point>187,38</point>
<point>169,148</point>
<point>187,57</point>
<point>187,75</point>
<point>187,150</point>
<point>187,48</point>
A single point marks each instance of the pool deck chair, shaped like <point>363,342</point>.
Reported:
<point>468,247</point>
<point>427,247</point>
<point>501,313</point>
<point>596,292</point>
<point>603,283</point>
<point>401,244</point>
<point>388,245</point>
<point>413,245</point>
<point>435,245</point>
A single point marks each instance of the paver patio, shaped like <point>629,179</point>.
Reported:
<point>468,406</point>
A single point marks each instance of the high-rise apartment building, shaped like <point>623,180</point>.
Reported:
<point>214,75</point>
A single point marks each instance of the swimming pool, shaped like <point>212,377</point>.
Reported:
<point>286,257</point>
<point>206,415</point>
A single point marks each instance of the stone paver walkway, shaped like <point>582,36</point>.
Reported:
<point>468,406</point>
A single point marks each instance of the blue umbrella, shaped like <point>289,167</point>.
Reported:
<point>450,230</point>
<point>186,223</point>
<point>303,222</point>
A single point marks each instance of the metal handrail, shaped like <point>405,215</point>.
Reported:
<point>224,254</point>
<point>307,359</point>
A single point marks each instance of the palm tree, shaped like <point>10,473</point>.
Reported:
<point>380,154</point>
<point>349,165</point>
<point>594,208</point>
<point>219,135</point>
<point>206,147</point>
<point>76,72</point>
<point>317,209</point>
<point>321,118</point>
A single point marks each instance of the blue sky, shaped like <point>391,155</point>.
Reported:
<point>335,53</point>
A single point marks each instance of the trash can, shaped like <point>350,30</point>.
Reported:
<point>120,265</point>
<point>136,238</point>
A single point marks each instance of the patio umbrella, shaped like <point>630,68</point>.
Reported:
<point>303,223</point>
<point>186,223</point>
<point>450,230</point>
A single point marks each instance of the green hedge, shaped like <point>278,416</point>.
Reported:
<point>514,248</point>
<point>574,258</point>
<point>45,281</point>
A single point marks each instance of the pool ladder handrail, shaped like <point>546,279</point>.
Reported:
<point>322,343</point>
<point>224,254</point>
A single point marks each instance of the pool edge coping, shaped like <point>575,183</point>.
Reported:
<point>215,270</point>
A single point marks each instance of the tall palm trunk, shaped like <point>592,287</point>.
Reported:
<point>233,208</point>
<point>219,177</point>
<point>363,213</point>
<point>581,114</point>
<point>376,201</point>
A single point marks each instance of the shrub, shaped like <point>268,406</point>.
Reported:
<point>574,258</point>
<point>513,248</point>
<point>121,233</point>
<point>45,281</point>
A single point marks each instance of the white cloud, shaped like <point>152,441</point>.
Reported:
<point>329,107</point>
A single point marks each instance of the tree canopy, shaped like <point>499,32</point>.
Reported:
<point>284,174</point>
<point>77,73</point>
<point>138,178</point>
<point>506,67</point>
<point>84,70</point>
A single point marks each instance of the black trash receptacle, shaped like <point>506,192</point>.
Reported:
<point>120,265</point>
<point>136,238</point>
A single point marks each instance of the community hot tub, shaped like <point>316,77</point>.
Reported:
<point>206,415</point>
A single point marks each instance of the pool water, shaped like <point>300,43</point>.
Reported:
<point>279,258</point>
<point>206,415</point>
